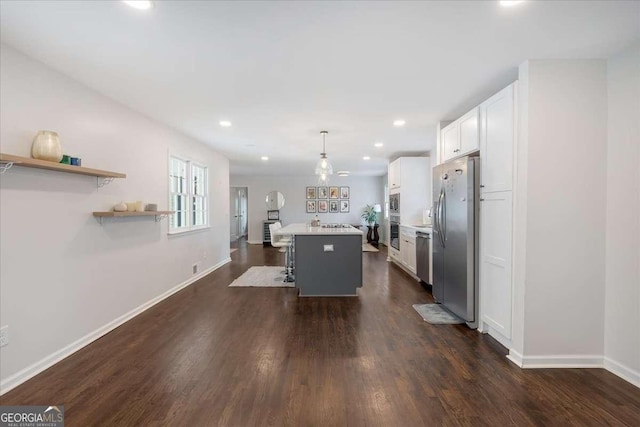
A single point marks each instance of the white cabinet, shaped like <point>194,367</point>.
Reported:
<point>469,134</point>
<point>497,138</point>
<point>460,137</point>
<point>496,216</point>
<point>497,147</point>
<point>411,177</point>
<point>408,249</point>
<point>395,174</point>
<point>450,138</point>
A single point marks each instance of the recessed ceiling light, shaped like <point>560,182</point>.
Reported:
<point>139,4</point>
<point>225,123</point>
<point>378,144</point>
<point>366,158</point>
<point>509,3</point>
<point>264,158</point>
<point>399,122</point>
<point>343,173</point>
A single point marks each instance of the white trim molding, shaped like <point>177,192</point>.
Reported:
<point>622,371</point>
<point>515,357</point>
<point>555,361</point>
<point>29,372</point>
<point>575,361</point>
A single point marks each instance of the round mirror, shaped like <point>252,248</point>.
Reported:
<point>274,200</point>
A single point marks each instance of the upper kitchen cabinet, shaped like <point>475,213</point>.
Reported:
<point>450,141</point>
<point>460,137</point>
<point>497,139</point>
<point>395,174</point>
<point>411,176</point>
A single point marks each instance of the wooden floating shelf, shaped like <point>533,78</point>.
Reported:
<point>124,214</point>
<point>60,167</point>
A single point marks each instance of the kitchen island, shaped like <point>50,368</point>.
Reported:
<point>327,259</point>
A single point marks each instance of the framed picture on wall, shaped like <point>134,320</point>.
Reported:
<point>323,206</point>
<point>273,215</point>
<point>334,192</point>
<point>323,193</point>
<point>311,193</point>
<point>344,206</point>
<point>333,206</point>
<point>311,206</point>
<point>344,192</point>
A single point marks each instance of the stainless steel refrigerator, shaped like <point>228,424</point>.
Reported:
<point>455,236</point>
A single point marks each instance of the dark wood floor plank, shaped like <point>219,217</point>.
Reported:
<point>214,355</point>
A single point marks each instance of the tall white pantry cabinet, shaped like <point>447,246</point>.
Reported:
<point>497,142</point>
<point>496,128</point>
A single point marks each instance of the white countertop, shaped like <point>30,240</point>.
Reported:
<point>423,228</point>
<point>306,229</point>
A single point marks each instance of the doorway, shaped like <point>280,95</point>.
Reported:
<point>239,205</point>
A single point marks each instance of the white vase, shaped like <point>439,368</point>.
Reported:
<point>46,146</point>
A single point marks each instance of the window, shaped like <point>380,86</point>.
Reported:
<point>188,195</point>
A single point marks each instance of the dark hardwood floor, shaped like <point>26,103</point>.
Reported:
<point>214,355</point>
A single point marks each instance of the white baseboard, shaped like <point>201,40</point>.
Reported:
<point>562,361</point>
<point>576,361</point>
<point>254,242</point>
<point>515,357</point>
<point>27,373</point>
<point>622,371</point>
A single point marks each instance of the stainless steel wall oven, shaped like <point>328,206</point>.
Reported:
<point>394,231</point>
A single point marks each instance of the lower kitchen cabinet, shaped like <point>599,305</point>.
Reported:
<point>408,249</point>
<point>496,215</point>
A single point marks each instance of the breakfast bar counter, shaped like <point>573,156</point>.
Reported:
<point>327,259</point>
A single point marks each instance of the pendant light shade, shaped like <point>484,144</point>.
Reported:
<point>323,167</point>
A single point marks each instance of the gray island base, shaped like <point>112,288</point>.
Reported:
<point>328,261</point>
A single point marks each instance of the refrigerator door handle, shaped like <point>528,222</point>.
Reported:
<point>441,214</point>
<point>435,216</point>
<point>444,217</point>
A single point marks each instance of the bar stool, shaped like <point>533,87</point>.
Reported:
<point>287,243</point>
<point>278,225</point>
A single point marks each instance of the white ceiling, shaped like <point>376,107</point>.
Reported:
<point>283,71</point>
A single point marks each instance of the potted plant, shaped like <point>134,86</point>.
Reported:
<point>369,215</point>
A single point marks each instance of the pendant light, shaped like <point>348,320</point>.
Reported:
<point>324,168</point>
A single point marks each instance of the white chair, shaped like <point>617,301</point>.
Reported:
<point>283,242</point>
<point>278,225</point>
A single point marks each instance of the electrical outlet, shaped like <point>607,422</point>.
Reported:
<point>195,268</point>
<point>4,336</point>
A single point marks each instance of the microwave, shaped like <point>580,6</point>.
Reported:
<point>394,203</point>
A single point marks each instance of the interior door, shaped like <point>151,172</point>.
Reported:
<point>242,211</point>
<point>234,206</point>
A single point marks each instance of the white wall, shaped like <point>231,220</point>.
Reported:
<point>63,276</point>
<point>622,295</point>
<point>364,190</point>
<point>563,279</point>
